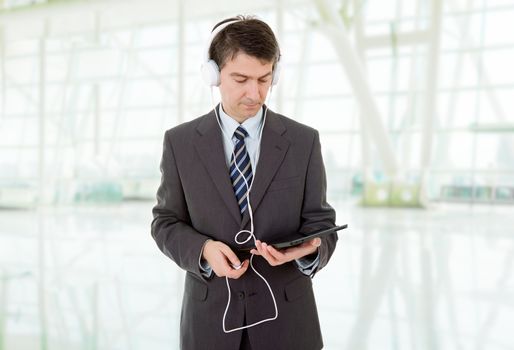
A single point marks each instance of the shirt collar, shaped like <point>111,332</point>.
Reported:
<point>251,125</point>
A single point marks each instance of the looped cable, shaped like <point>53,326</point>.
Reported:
<point>251,231</point>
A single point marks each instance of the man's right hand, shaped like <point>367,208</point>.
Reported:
<point>221,258</point>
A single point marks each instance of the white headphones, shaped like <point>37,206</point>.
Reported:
<point>210,70</point>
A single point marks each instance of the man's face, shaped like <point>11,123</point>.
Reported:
<point>244,84</point>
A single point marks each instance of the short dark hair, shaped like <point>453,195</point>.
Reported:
<point>249,35</point>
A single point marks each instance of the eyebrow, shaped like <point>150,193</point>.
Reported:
<point>240,75</point>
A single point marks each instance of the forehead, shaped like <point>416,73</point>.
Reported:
<point>247,65</point>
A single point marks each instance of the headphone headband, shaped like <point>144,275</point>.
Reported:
<point>210,70</point>
<point>215,32</point>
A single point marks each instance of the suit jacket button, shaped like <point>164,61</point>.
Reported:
<point>241,295</point>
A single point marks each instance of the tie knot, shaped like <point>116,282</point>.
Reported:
<point>240,133</point>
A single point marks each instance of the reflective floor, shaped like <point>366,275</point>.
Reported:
<point>92,278</point>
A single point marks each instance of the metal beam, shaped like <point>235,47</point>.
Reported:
<point>398,39</point>
<point>336,32</point>
<point>181,53</point>
<point>279,101</point>
<point>3,308</point>
<point>300,72</point>
<point>365,143</point>
<point>431,95</point>
<point>42,114</point>
<point>493,127</point>
<point>2,73</point>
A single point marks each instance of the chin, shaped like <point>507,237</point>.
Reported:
<point>253,109</point>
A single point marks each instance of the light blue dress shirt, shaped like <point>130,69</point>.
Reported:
<point>252,126</point>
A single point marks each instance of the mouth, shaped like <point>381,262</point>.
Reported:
<point>252,106</point>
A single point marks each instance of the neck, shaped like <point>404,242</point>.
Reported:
<point>239,119</point>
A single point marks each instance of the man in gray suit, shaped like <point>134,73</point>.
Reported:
<point>243,168</point>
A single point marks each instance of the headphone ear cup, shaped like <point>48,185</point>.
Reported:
<point>211,73</point>
<point>276,74</point>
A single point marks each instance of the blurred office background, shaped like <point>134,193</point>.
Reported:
<point>414,101</point>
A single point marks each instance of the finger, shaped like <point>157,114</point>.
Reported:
<point>279,255</point>
<point>274,252</point>
<point>236,267</point>
<point>265,252</point>
<point>299,251</point>
<point>255,252</point>
<point>262,247</point>
<point>235,274</point>
<point>231,256</point>
<point>316,242</point>
<point>258,246</point>
<point>223,267</point>
<point>260,250</point>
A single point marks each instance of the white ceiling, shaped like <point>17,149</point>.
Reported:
<point>63,17</point>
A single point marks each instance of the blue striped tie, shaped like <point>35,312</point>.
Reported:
<point>245,169</point>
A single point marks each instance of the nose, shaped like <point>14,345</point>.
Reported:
<point>252,90</point>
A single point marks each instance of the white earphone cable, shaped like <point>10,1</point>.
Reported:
<point>250,212</point>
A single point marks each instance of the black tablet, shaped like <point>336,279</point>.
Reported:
<point>298,238</point>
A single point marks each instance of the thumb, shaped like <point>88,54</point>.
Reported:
<point>231,256</point>
<point>316,242</point>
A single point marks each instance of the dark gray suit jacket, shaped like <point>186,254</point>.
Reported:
<point>195,201</point>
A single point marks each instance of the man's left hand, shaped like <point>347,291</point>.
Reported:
<point>277,257</point>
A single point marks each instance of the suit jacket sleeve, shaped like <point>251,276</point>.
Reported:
<point>171,225</point>
<point>316,212</point>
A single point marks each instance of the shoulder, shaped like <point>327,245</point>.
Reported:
<point>187,129</point>
<point>293,128</point>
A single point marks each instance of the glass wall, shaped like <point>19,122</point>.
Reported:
<point>83,111</point>
<point>87,90</point>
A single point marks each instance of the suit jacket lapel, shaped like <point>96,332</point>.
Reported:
<point>209,146</point>
<point>273,150</point>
